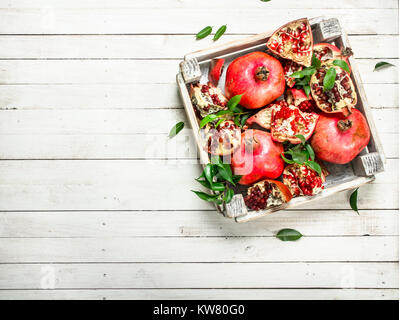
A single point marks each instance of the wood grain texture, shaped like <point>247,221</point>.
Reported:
<point>203,294</point>
<point>200,275</point>
<point>94,82</point>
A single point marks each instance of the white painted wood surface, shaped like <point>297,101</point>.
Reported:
<point>90,210</point>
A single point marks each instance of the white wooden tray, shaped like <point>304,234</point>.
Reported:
<point>361,170</point>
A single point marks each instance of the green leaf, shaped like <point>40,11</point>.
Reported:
<point>228,195</point>
<point>383,64</point>
<point>236,178</point>
<point>297,74</point>
<point>216,186</point>
<point>265,0</point>
<point>233,102</point>
<point>353,200</point>
<point>288,235</point>
<point>208,197</point>
<point>342,64</point>
<point>220,32</point>
<point>208,119</point>
<point>304,81</point>
<point>304,72</point>
<point>220,122</point>
<point>204,32</point>
<point>223,112</point>
<point>208,173</point>
<point>316,62</point>
<point>306,88</point>
<point>244,119</point>
<point>299,156</point>
<point>237,120</point>
<point>310,150</point>
<point>287,160</point>
<point>225,172</point>
<point>301,137</point>
<point>329,79</point>
<point>314,165</point>
<point>176,129</point>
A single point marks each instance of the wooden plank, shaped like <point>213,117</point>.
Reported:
<point>125,96</point>
<point>114,146</point>
<point>200,275</point>
<point>60,4</point>
<point>249,249</point>
<point>202,294</point>
<point>154,46</point>
<point>131,71</point>
<point>129,184</point>
<point>139,121</point>
<point>114,224</point>
<point>47,20</point>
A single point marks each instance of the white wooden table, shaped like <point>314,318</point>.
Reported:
<point>91,208</point>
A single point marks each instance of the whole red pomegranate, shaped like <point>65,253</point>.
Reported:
<point>256,75</point>
<point>338,139</point>
<point>258,157</point>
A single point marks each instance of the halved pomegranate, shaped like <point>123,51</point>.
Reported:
<point>222,140</point>
<point>207,98</point>
<point>215,70</point>
<point>326,51</point>
<point>264,117</point>
<point>341,98</point>
<point>298,98</point>
<point>289,121</point>
<point>293,41</point>
<point>266,194</point>
<point>289,68</point>
<point>302,180</point>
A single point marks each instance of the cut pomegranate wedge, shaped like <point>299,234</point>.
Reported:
<point>222,140</point>
<point>298,98</point>
<point>289,121</point>
<point>327,53</point>
<point>289,68</point>
<point>215,71</point>
<point>207,98</point>
<point>264,117</point>
<point>266,194</point>
<point>293,41</point>
<point>302,180</point>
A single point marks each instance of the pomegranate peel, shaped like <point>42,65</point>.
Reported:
<point>258,157</point>
<point>263,117</point>
<point>339,140</point>
<point>256,75</point>
<point>327,53</point>
<point>298,98</point>
<point>215,70</point>
<point>266,194</point>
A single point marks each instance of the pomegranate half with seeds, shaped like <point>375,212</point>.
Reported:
<point>293,41</point>
<point>289,121</point>
<point>328,52</point>
<point>298,98</point>
<point>263,118</point>
<point>258,77</point>
<point>221,140</point>
<point>207,98</point>
<point>266,194</point>
<point>338,139</point>
<point>215,70</point>
<point>341,98</point>
<point>302,180</point>
<point>258,157</point>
